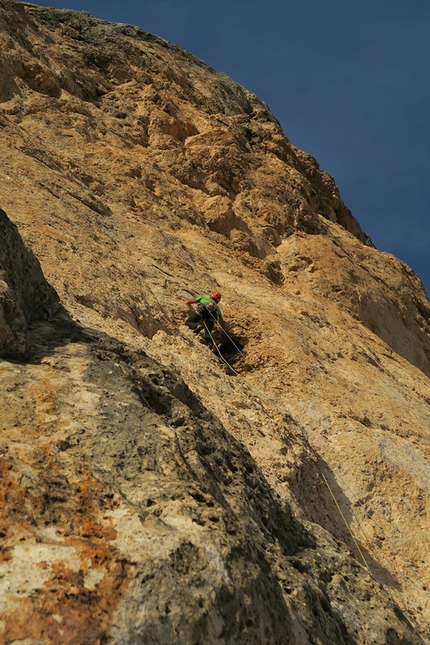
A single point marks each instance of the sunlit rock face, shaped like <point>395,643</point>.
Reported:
<point>151,494</point>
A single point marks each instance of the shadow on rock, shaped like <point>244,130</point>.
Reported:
<point>25,295</point>
<point>317,502</point>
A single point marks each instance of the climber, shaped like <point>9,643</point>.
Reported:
<point>206,314</point>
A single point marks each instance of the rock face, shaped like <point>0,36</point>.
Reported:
<point>149,494</point>
<point>24,293</point>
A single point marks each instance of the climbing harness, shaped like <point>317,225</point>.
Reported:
<point>212,310</point>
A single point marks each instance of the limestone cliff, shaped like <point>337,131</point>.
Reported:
<point>149,493</point>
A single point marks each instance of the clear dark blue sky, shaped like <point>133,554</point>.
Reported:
<point>349,80</point>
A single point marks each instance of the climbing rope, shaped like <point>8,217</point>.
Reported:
<point>286,414</point>
<point>369,515</point>
<point>275,405</point>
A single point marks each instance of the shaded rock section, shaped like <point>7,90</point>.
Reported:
<point>25,295</point>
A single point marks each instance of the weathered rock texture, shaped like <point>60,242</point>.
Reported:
<point>149,495</point>
<point>24,293</point>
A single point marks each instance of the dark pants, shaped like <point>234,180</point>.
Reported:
<point>196,322</point>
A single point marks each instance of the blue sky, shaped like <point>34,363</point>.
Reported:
<point>349,81</point>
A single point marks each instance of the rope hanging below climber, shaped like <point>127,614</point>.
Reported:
<point>279,407</point>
